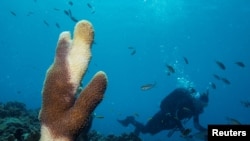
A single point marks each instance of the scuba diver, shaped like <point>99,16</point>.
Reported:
<point>179,106</point>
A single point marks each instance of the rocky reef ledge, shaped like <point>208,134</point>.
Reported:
<point>17,123</point>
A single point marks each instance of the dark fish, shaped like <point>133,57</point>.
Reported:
<point>93,11</point>
<point>148,86</point>
<point>221,65</point>
<point>131,47</point>
<point>212,85</point>
<point>168,73</point>
<point>89,6</point>
<point>70,3</point>
<point>46,23</point>
<point>245,104</point>
<point>57,25</point>
<point>133,52</point>
<point>186,60</point>
<point>170,69</point>
<point>66,12</point>
<point>13,13</point>
<point>70,13</point>
<point>216,76</point>
<point>73,19</point>
<point>226,81</point>
<point>240,64</point>
<point>56,9</point>
<point>30,13</point>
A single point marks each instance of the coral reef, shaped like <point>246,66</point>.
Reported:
<point>95,136</point>
<point>25,126</point>
<point>62,115</point>
<point>17,123</point>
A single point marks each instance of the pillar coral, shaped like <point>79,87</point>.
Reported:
<point>62,115</point>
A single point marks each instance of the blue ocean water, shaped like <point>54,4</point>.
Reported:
<point>160,32</point>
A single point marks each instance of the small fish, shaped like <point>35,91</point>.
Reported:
<point>70,3</point>
<point>57,25</point>
<point>70,13</point>
<point>148,86</point>
<point>240,64</point>
<point>93,11</point>
<point>13,13</point>
<point>221,65</point>
<point>133,52</point>
<point>89,6</point>
<point>185,60</point>
<point>225,80</point>
<point>66,12</point>
<point>100,117</point>
<point>30,13</point>
<point>212,85</point>
<point>170,68</point>
<point>130,47</point>
<point>245,103</point>
<point>216,76</point>
<point>73,19</point>
<point>168,73</point>
<point>233,121</point>
<point>46,23</point>
<point>56,9</point>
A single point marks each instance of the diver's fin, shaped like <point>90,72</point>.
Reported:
<point>127,121</point>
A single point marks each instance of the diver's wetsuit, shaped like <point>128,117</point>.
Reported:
<point>176,107</point>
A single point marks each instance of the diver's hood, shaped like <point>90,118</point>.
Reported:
<point>202,97</point>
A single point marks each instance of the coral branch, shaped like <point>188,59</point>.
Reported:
<point>62,115</point>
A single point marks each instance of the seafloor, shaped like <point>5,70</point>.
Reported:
<point>17,123</point>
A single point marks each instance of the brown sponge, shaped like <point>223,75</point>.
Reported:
<point>62,115</point>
